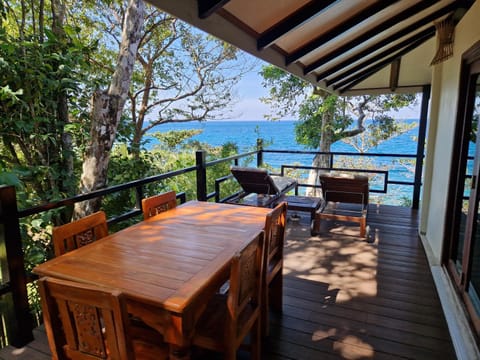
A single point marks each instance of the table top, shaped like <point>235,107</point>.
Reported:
<point>168,259</point>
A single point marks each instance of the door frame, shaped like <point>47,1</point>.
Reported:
<point>470,65</point>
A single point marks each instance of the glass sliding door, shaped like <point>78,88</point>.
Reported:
<point>471,248</point>
<point>463,236</point>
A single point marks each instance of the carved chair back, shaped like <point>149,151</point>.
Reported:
<point>80,232</point>
<point>156,204</point>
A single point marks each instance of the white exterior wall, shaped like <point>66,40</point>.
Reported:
<point>443,112</point>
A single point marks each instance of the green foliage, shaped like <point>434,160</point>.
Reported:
<point>286,91</point>
<point>311,127</point>
<point>326,118</point>
<point>34,73</point>
<point>175,151</point>
<point>172,140</point>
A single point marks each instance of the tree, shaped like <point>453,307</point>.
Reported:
<point>326,118</point>
<point>181,74</point>
<point>39,69</point>
<point>107,109</point>
<point>79,78</point>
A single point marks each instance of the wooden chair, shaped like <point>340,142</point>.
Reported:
<point>273,262</point>
<point>229,318</point>
<point>340,190</point>
<point>86,322</point>
<point>154,205</point>
<point>80,232</point>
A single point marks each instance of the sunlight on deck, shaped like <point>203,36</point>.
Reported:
<point>346,261</point>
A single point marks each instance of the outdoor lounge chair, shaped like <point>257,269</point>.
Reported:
<point>345,199</point>
<point>258,181</point>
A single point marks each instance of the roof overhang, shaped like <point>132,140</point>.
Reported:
<point>343,46</point>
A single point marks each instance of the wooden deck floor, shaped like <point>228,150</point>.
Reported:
<point>348,298</point>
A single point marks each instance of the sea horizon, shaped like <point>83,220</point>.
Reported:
<point>278,133</point>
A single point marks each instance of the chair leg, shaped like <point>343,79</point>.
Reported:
<point>315,225</point>
<point>256,341</point>
<point>264,316</point>
<point>276,292</point>
<point>363,227</point>
<point>272,297</point>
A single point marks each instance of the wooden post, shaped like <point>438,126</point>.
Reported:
<point>200,157</point>
<point>422,130</point>
<point>19,329</point>
<point>259,153</point>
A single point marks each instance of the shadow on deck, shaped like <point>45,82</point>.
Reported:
<point>347,298</point>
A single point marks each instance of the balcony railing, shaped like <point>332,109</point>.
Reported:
<point>16,312</point>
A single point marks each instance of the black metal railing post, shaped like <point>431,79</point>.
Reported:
<point>139,196</point>
<point>259,153</point>
<point>19,330</point>
<point>200,157</point>
<point>422,130</point>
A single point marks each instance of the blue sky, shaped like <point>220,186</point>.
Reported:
<point>248,92</point>
<point>248,106</point>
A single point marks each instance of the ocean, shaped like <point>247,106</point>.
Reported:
<point>280,135</point>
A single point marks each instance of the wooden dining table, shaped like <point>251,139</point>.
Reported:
<point>167,266</point>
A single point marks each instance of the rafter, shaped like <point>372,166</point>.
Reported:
<point>338,30</point>
<point>208,7</point>
<point>295,20</point>
<point>348,83</point>
<point>399,34</point>
<point>394,73</point>
<point>404,15</point>
<point>425,34</point>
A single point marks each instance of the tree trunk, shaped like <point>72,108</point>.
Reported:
<point>321,160</point>
<point>107,107</point>
<point>66,185</point>
<point>139,119</point>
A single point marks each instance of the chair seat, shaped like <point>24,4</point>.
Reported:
<point>210,330</point>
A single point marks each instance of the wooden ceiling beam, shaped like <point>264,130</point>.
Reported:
<point>208,7</point>
<point>350,82</point>
<point>411,28</point>
<point>427,33</point>
<point>298,18</point>
<point>404,15</point>
<point>338,30</point>
<point>394,73</point>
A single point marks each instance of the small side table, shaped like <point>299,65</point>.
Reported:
<point>303,203</point>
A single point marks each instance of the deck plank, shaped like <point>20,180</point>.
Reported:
<point>366,299</point>
<point>346,297</point>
